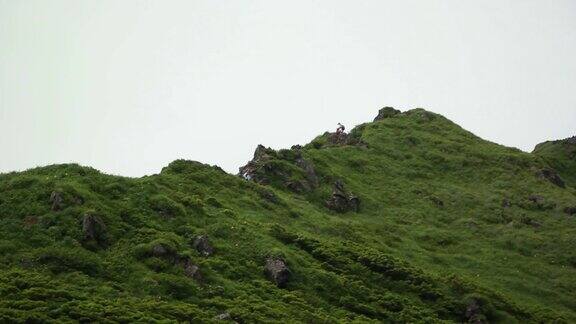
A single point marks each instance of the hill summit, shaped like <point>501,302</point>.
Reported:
<point>408,218</point>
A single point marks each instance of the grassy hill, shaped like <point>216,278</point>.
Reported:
<point>561,155</point>
<point>408,218</point>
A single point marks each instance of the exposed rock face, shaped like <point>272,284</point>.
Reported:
<point>57,201</point>
<point>93,228</point>
<point>284,167</point>
<point>308,168</point>
<point>338,138</point>
<point>277,271</point>
<point>341,201</point>
<point>249,171</point>
<point>203,246</point>
<point>552,176</point>
<point>386,112</point>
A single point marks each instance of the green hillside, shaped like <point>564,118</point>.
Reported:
<point>409,218</point>
<point>561,155</point>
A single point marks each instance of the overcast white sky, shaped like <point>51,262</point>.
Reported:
<point>128,86</point>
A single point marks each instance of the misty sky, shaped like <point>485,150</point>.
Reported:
<point>128,86</point>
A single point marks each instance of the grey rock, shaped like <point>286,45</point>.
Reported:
<point>93,227</point>
<point>386,112</point>
<point>160,251</point>
<point>191,270</point>
<point>277,271</point>
<point>202,245</point>
<point>57,201</point>
<point>341,201</point>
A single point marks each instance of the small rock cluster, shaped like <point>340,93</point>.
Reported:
<point>57,201</point>
<point>386,112</point>
<point>203,246</point>
<point>268,166</point>
<point>93,228</point>
<point>191,270</point>
<point>277,271</point>
<point>342,201</point>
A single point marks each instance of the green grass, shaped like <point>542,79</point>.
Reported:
<point>432,236</point>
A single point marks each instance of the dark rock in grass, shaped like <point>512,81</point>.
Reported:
<point>437,201</point>
<point>191,270</point>
<point>536,199</point>
<point>386,112</point>
<point>93,228</point>
<point>269,196</point>
<point>341,201</point>
<point>160,251</point>
<point>527,220</point>
<point>203,246</point>
<point>474,314</point>
<point>57,201</point>
<point>277,271</point>
<point>552,176</point>
<point>506,203</point>
<point>297,186</point>
<point>570,210</point>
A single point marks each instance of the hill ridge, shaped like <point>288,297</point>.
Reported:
<point>409,218</point>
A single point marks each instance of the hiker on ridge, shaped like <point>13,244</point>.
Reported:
<point>340,129</point>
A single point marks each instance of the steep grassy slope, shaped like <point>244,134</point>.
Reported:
<point>449,228</point>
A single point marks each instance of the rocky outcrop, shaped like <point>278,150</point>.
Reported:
<point>277,271</point>
<point>386,112</point>
<point>287,168</point>
<point>203,246</point>
<point>552,176</point>
<point>160,251</point>
<point>338,138</point>
<point>474,314</point>
<point>57,201</point>
<point>93,228</point>
<point>341,201</point>
<point>354,138</point>
<point>309,170</point>
<point>191,270</point>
